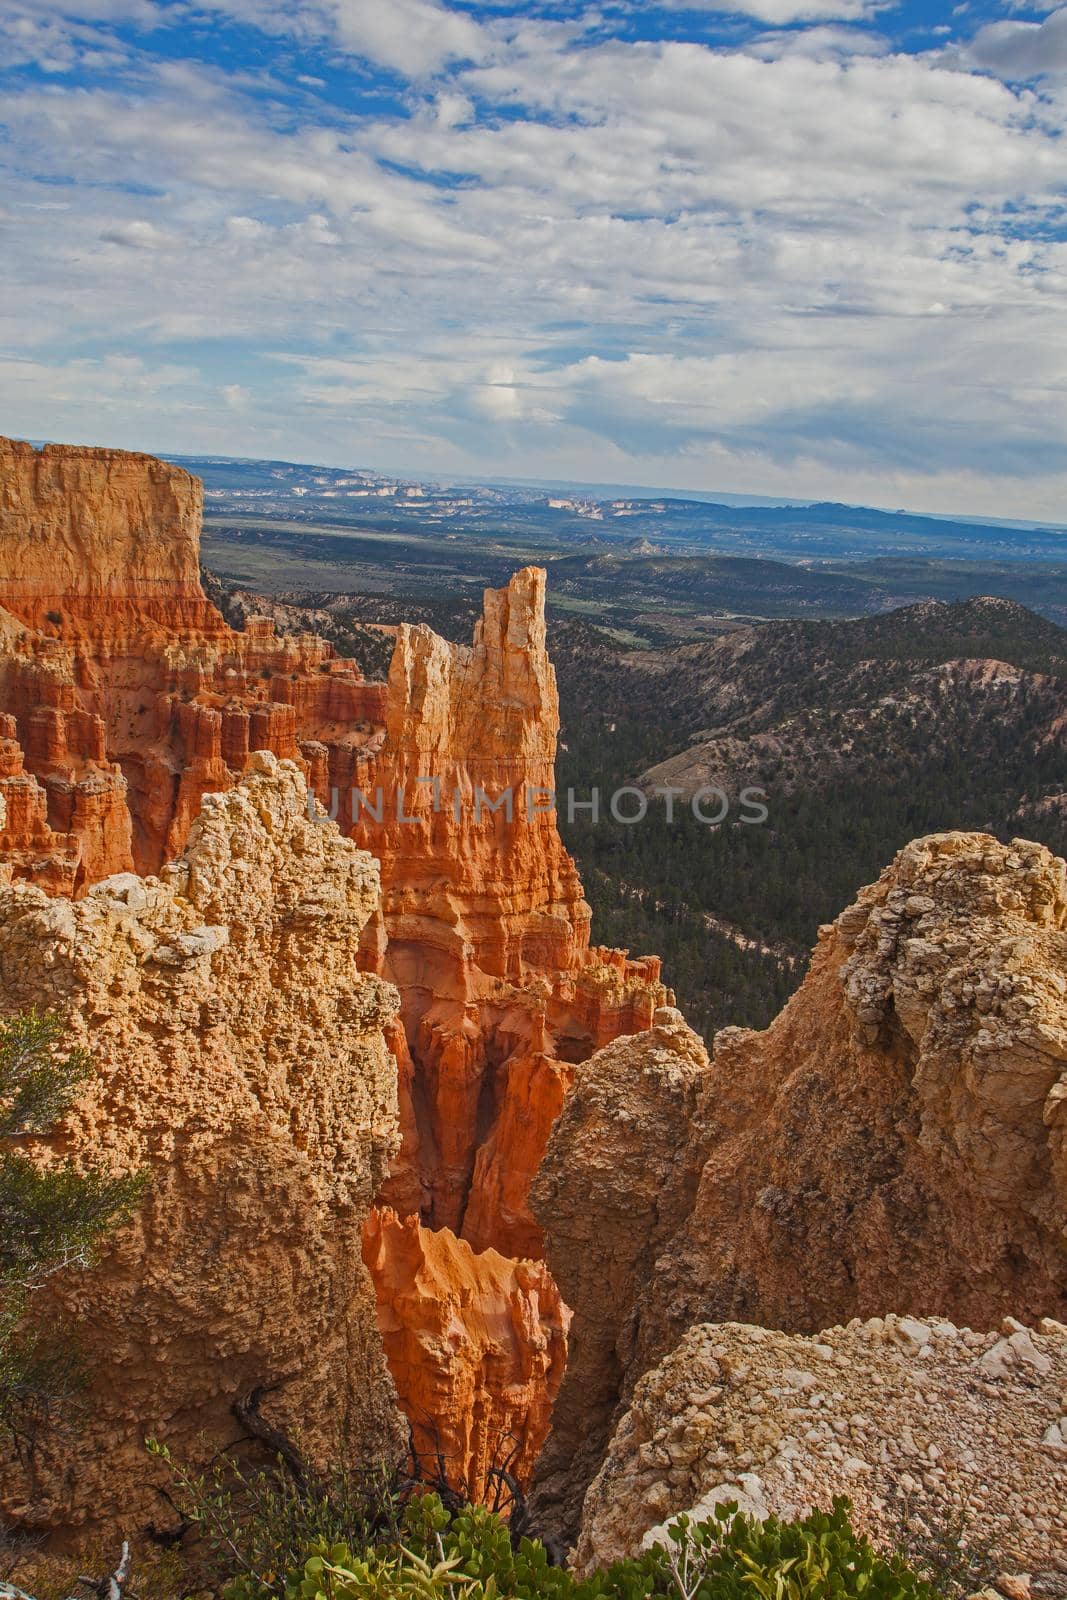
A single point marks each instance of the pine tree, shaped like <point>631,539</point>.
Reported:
<point>51,1218</point>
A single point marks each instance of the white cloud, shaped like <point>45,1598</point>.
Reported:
<point>137,234</point>
<point>413,37</point>
<point>826,42</point>
<point>1018,50</point>
<point>787,266</point>
<point>780,13</point>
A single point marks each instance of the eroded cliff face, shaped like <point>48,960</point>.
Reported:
<point>505,1329</point>
<point>488,944</point>
<point>124,695</point>
<point>896,1140</point>
<point>127,702</point>
<point>125,698</point>
<point>98,540</point>
<point>240,1060</point>
<point>488,932</point>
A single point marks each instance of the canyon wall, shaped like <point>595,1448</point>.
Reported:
<point>127,702</point>
<point>124,695</point>
<point>488,945</point>
<point>896,1140</point>
<point>125,698</point>
<point>240,1060</point>
<point>96,538</point>
<point>488,931</point>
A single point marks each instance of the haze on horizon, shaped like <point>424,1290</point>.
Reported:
<point>808,248</point>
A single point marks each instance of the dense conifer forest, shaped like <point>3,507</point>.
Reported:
<point>872,754</point>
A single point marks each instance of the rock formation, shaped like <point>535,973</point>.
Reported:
<point>500,994</point>
<point>504,1328</point>
<point>487,928</point>
<point>895,1140</point>
<point>100,540</point>
<point>923,1426</point>
<point>618,1178</point>
<point>240,1059</point>
<point>125,695</point>
<point>126,699</point>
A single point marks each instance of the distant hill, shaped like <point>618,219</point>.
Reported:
<point>822,531</point>
<point>808,704</point>
<point>862,734</point>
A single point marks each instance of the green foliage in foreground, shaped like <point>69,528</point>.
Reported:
<point>51,1217</point>
<point>470,1555</point>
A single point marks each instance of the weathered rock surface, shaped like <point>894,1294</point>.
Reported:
<point>477,725</point>
<point>125,699</point>
<point>125,696</point>
<point>618,1179</point>
<point>240,1059</point>
<point>895,1140</point>
<point>476,1345</point>
<point>488,931</point>
<point>100,538</point>
<point>920,1424</point>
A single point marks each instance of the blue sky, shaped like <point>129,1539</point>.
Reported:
<point>809,247</point>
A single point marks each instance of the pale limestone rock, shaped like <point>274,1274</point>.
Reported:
<point>948,1452</point>
<point>894,1142</point>
<point>240,1058</point>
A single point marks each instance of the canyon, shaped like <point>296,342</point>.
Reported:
<point>128,706</point>
<point>412,1137</point>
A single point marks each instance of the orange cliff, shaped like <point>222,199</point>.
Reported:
<point>125,698</point>
<point>487,926</point>
<point>101,538</point>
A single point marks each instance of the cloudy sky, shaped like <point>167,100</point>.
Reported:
<point>808,247</point>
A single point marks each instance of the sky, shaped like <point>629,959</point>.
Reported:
<point>810,248</point>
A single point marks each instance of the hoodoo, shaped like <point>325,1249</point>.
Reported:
<point>490,1405</point>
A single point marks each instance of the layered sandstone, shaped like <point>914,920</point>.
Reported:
<point>98,539</point>
<point>488,932</point>
<point>481,877</point>
<point>126,697</point>
<point>500,995</point>
<point>476,1345</point>
<point>928,1429</point>
<point>481,1085</point>
<point>895,1140</point>
<point>240,1060</point>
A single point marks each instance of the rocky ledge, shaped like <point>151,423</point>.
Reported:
<point>935,1433</point>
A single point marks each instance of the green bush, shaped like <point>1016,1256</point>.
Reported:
<point>255,1529</point>
<point>52,1218</point>
<point>443,1556</point>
